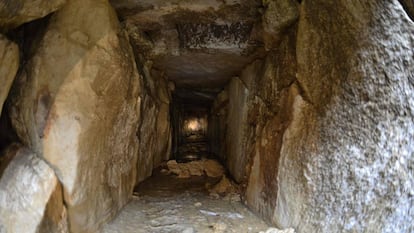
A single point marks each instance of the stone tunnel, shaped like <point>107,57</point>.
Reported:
<point>153,116</point>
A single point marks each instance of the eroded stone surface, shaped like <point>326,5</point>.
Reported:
<point>276,20</point>
<point>155,127</point>
<point>9,60</point>
<point>275,230</point>
<point>77,105</point>
<point>347,159</point>
<point>236,128</point>
<point>31,196</point>
<point>269,114</point>
<point>16,12</point>
<point>257,116</point>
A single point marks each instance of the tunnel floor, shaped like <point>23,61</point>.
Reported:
<point>165,203</point>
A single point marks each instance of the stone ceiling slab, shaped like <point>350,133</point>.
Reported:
<point>196,43</point>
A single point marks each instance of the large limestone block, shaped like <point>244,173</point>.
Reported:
<point>78,107</point>
<point>155,128</point>
<point>16,12</point>
<point>236,129</point>
<point>31,196</point>
<point>347,156</point>
<point>9,63</point>
<point>269,113</point>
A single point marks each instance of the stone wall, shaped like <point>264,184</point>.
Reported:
<point>9,60</point>
<point>76,105</point>
<point>347,156</point>
<point>325,145</point>
<point>259,111</point>
<point>155,130</point>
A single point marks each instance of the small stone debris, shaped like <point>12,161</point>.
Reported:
<point>226,189</point>
<point>208,167</point>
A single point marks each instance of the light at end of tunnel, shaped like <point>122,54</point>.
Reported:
<point>193,125</point>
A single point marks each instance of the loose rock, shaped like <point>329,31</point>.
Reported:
<point>211,168</point>
<point>31,196</point>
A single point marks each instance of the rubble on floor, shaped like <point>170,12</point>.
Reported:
<point>208,167</point>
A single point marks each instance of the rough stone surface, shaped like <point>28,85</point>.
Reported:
<point>9,60</point>
<point>255,122</point>
<point>275,230</point>
<point>199,43</point>
<point>276,20</point>
<point>16,12</point>
<point>31,196</point>
<point>236,129</point>
<point>225,188</point>
<point>347,157</point>
<point>77,105</point>
<point>269,114</point>
<point>155,127</point>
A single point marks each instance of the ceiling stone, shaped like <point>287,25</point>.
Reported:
<point>199,43</point>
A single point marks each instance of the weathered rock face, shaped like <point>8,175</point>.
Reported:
<point>277,19</point>
<point>236,129</point>
<point>347,157</point>
<point>329,147</point>
<point>9,60</point>
<point>155,127</point>
<point>31,196</point>
<point>16,12</point>
<point>269,114</point>
<point>255,117</point>
<point>77,105</point>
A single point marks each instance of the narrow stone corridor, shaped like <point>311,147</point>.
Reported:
<point>182,116</point>
<point>165,203</point>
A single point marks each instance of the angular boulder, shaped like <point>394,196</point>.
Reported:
<point>30,196</point>
<point>77,105</point>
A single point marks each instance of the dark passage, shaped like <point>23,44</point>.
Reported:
<point>190,120</point>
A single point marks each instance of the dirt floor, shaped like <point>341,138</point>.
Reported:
<point>165,203</point>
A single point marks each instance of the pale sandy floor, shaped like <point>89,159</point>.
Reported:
<point>165,204</point>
